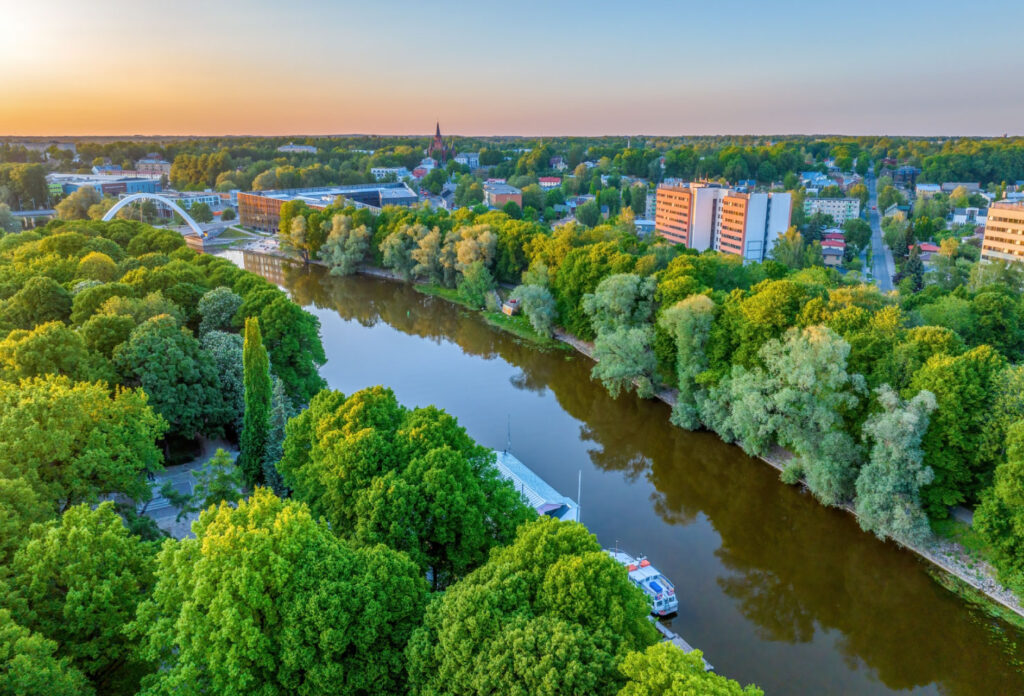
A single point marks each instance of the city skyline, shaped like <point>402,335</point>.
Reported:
<point>317,68</point>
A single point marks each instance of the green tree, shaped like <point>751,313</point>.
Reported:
<point>476,285</point>
<point>225,350</point>
<point>97,266</point>
<point>8,222</point>
<point>588,213</point>
<point>688,322</point>
<point>228,215</point>
<point>665,670</point>
<point>539,307</point>
<point>799,399</point>
<point>200,212</point>
<point>77,582</point>
<point>965,387</point>
<point>623,300</point>
<point>166,361</point>
<point>268,600</point>
<point>281,411</point>
<point>625,361</point>
<point>857,233</point>
<point>21,506</point>
<point>346,246</point>
<point>76,442</point>
<point>50,348</point>
<point>551,613</point>
<point>257,387</point>
<point>38,301</point>
<point>76,205</point>
<point>1000,517</point>
<point>29,665</point>
<point>217,309</point>
<point>412,479</point>
<point>292,338</point>
<point>889,484</point>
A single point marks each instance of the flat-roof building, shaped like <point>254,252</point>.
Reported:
<point>105,184</point>
<point>497,194</point>
<point>261,210</point>
<point>841,209</point>
<point>1004,232</point>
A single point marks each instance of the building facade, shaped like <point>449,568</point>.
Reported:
<point>153,166</point>
<point>496,195</point>
<point>841,209</point>
<point>261,210</point>
<point>1004,232</point>
<point>107,185</point>
<point>705,216</point>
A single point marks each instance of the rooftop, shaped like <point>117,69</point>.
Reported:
<point>541,496</point>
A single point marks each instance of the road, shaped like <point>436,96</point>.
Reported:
<point>882,267</point>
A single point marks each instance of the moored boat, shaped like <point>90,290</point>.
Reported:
<point>653,582</point>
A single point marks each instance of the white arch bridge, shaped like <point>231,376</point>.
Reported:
<point>127,200</point>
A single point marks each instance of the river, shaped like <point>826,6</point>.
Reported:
<point>773,587</point>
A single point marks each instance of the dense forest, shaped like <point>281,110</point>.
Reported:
<point>900,405</point>
<point>371,548</point>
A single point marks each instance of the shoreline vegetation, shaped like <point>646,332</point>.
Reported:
<point>947,554</point>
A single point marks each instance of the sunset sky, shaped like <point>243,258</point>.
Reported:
<point>106,67</point>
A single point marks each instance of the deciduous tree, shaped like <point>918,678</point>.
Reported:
<point>256,423</point>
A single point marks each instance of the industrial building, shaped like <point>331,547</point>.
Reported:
<point>105,184</point>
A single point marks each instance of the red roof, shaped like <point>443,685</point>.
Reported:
<point>835,236</point>
<point>926,247</point>
<point>550,180</point>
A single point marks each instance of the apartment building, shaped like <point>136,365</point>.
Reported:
<point>706,216</point>
<point>497,194</point>
<point>841,209</point>
<point>1004,232</point>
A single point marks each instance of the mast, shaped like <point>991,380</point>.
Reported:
<point>579,497</point>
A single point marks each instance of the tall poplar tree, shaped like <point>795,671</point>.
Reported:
<point>256,423</point>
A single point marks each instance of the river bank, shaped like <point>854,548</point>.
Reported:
<point>947,556</point>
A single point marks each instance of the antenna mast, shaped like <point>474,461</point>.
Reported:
<point>579,497</point>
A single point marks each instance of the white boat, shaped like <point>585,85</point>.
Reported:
<point>655,585</point>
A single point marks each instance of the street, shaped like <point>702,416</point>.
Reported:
<point>883,267</point>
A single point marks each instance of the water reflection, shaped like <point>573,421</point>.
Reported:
<point>779,590</point>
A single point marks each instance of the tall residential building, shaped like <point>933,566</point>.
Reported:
<point>708,216</point>
<point>1004,232</point>
<point>841,209</point>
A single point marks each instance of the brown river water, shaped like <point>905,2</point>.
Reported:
<point>773,587</point>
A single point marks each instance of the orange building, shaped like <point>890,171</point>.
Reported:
<point>733,226</point>
<point>1004,232</point>
<point>673,213</point>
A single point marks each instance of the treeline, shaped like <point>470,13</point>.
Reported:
<point>900,405</point>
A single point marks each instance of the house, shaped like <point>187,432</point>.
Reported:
<point>644,228</point>
<point>926,191</point>
<point>381,173</point>
<point>420,172</point>
<point>926,249</point>
<point>558,164</point>
<point>815,180</point>
<point>972,187</point>
<point>905,175</point>
<point>900,212</point>
<point>468,159</point>
<point>549,182</point>
<point>833,251</point>
<point>970,216</point>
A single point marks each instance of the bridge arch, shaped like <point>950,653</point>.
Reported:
<point>155,197</point>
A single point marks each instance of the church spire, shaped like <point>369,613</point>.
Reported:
<point>437,134</point>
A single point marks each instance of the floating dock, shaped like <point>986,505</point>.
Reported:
<point>675,639</point>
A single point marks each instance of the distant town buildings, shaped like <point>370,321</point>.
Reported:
<point>969,186</point>
<point>970,216</point>
<point>1004,232</point>
<point>709,216</point>
<point>549,182</point>
<point>468,159</point>
<point>153,166</point>
<point>381,173</point>
<point>926,191</point>
<point>497,194</point>
<point>261,210</point>
<point>291,147</point>
<point>841,209</point>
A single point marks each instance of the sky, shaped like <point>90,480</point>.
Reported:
<point>529,67</point>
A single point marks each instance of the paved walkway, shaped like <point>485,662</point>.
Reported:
<point>160,509</point>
